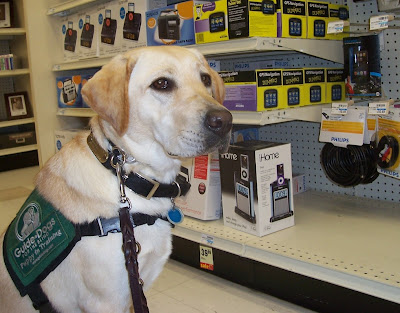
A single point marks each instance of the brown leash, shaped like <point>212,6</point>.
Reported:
<point>130,247</point>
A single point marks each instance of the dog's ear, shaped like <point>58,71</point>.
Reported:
<point>218,87</point>
<point>107,92</point>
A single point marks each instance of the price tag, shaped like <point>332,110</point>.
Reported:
<point>340,108</point>
<point>381,108</point>
<point>335,27</point>
<point>379,22</point>
<point>209,240</point>
<point>206,258</point>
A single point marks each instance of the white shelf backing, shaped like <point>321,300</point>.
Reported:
<point>339,239</point>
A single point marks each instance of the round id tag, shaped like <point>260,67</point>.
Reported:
<point>175,215</point>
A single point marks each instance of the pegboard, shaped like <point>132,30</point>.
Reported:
<point>306,150</point>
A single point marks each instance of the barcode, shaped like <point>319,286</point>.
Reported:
<point>199,38</point>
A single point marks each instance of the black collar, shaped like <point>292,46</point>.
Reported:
<point>141,185</point>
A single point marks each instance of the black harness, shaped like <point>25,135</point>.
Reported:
<point>141,185</point>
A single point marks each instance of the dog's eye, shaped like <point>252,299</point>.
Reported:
<point>206,79</point>
<point>162,84</point>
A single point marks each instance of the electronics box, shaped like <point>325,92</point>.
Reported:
<point>293,19</point>
<point>203,201</point>
<point>317,19</point>
<point>222,20</point>
<point>335,86</point>
<point>241,90</point>
<point>171,25</point>
<point>131,29</point>
<point>269,89</point>
<point>299,183</point>
<point>339,12</point>
<point>210,21</point>
<point>69,34</point>
<point>244,134</point>
<point>293,91</point>
<point>63,136</point>
<point>109,22</point>
<point>256,184</point>
<point>69,91</point>
<point>314,86</point>
<point>88,39</point>
<point>362,66</point>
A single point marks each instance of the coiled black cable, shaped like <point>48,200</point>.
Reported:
<point>349,166</point>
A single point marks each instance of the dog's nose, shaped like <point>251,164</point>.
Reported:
<point>219,121</point>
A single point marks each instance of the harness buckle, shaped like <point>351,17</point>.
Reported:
<point>108,226</point>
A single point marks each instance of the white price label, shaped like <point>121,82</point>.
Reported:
<point>381,108</point>
<point>206,258</point>
<point>379,22</point>
<point>340,108</point>
<point>209,240</point>
<point>335,27</point>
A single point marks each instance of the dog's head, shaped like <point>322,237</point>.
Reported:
<point>165,97</point>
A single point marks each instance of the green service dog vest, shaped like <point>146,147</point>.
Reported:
<point>37,240</point>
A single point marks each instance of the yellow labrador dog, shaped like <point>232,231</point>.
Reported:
<point>157,105</point>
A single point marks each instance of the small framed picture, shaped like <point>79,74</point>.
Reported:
<point>5,14</point>
<point>17,105</point>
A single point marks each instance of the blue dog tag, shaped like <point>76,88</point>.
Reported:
<point>175,215</point>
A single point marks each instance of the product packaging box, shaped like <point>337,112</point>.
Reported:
<point>223,20</point>
<point>317,19</point>
<point>203,201</point>
<point>171,25</point>
<point>315,86</point>
<point>68,29</point>
<point>338,12</point>
<point>63,136</point>
<point>269,90</point>
<point>292,19</point>
<point>388,143</point>
<point>362,66</point>
<point>335,86</point>
<point>210,21</point>
<point>69,91</point>
<point>299,183</point>
<point>85,76</point>
<point>241,90</point>
<point>244,134</point>
<point>256,184</point>
<point>88,42</point>
<point>293,91</point>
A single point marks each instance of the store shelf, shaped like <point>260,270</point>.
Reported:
<point>311,113</point>
<point>5,32</point>
<point>77,112</point>
<point>17,122</point>
<point>11,73</point>
<point>18,150</point>
<point>346,241</point>
<point>72,6</point>
<point>324,49</point>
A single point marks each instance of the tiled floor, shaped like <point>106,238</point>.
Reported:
<point>180,288</point>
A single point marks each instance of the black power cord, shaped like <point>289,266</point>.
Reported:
<point>349,166</point>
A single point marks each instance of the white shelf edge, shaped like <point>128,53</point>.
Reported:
<point>326,49</point>
<point>245,245</point>
<point>15,150</point>
<point>76,112</point>
<point>64,8</point>
<point>17,122</point>
<point>17,72</point>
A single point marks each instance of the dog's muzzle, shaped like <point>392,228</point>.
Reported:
<point>219,121</point>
